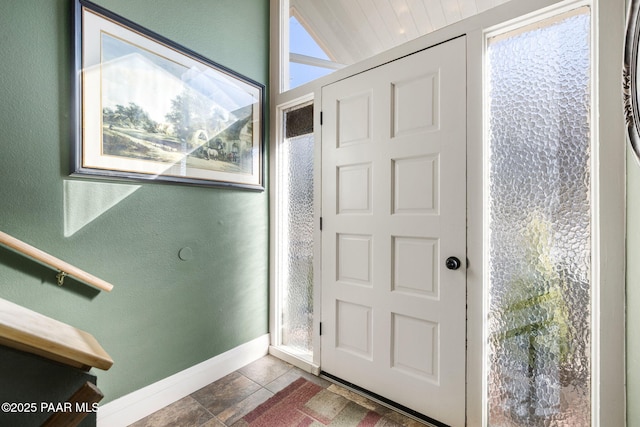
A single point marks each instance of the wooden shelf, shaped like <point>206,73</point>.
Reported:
<point>32,332</point>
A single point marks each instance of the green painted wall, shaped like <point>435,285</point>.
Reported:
<point>164,315</point>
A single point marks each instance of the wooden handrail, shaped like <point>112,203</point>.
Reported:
<point>63,267</point>
<point>31,332</point>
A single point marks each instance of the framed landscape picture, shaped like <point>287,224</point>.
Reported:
<point>147,108</point>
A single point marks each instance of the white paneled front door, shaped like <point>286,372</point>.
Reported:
<point>394,223</point>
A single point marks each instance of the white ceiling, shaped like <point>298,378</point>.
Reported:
<point>352,30</point>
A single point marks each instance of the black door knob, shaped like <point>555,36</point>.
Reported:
<point>452,263</point>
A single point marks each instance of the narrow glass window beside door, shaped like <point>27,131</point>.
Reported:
<point>295,220</point>
<point>539,211</point>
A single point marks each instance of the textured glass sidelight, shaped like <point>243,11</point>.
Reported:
<point>296,219</point>
<point>538,332</point>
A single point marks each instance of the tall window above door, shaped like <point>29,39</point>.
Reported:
<point>307,60</point>
<point>318,37</point>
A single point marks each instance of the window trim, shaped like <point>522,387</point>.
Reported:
<point>275,323</point>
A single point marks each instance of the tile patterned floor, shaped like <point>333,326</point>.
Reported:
<point>222,403</point>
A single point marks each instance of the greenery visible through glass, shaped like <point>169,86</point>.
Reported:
<point>539,335</point>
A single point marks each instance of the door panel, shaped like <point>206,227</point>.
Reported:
<point>394,209</point>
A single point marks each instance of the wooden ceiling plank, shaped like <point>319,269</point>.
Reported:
<point>368,23</point>
<point>388,15</point>
<point>358,40</point>
<point>420,16</point>
<point>323,27</point>
<point>355,30</point>
<point>467,8</point>
<point>482,5</point>
<point>436,13</point>
<point>408,27</point>
<point>451,11</point>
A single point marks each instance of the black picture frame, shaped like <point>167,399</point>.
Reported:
<point>630,77</point>
<point>147,108</point>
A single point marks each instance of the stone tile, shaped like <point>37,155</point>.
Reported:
<point>186,412</point>
<point>290,376</point>
<point>386,422</point>
<point>393,417</point>
<point>224,402</point>
<point>351,415</point>
<point>326,405</point>
<point>282,381</point>
<point>265,370</point>
<point>403,420</point>
<point>358,398</point>
<point>314,378</point>
<point>214,422</point>
<point>232,414</point>
<point>226,392</point>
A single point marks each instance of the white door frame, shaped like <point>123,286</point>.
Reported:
<point>608,175</point>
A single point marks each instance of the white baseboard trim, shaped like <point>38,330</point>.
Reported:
<point>140,403</point>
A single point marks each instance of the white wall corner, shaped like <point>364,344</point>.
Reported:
<point>140,403</point>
